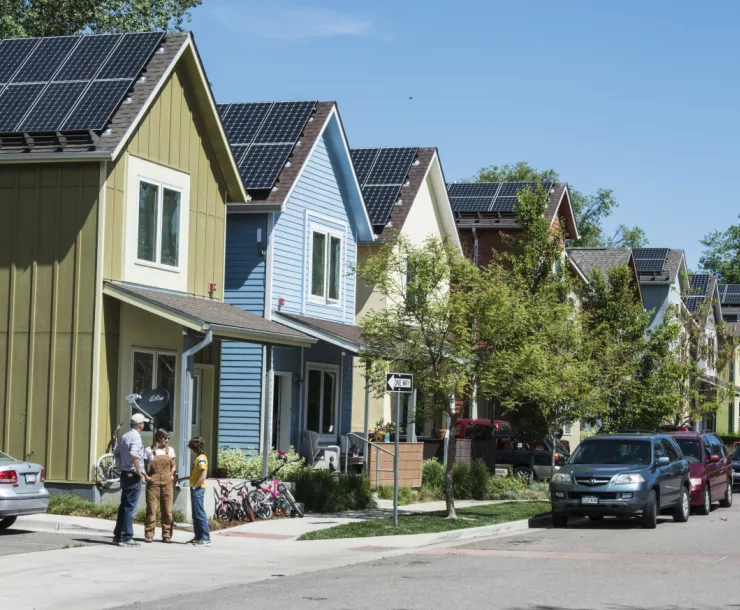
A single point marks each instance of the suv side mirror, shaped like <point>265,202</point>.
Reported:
<point>713,459</point>
<point>664,460</point>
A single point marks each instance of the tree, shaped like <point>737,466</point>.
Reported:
<point>590,209</point>
<point>425,328</point>
<point>722,254</point>
<point>26,18</point>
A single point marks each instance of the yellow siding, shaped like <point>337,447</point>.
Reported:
<point>108,387</point>
<point>172,135</point>
<point>48,242</point>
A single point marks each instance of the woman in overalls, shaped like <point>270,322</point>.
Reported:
<point>160,459</point>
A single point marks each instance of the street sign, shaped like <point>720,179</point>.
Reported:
<point>399,382</point>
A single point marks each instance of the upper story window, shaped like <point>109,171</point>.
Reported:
<point>159,224</point>
<point>326,265</point>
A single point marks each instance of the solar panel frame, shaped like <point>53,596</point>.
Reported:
<point>243,121</point>
<point>379,200</point>
<point>391,166</point>
<point>284,123</point>
<point>15,100</point>
<point>262,163</point>
<point>699,284</point>
<point>13,53</point>
<point>471,204</point>
<point>504,204</point>
<point>87,58</point>
<point>511,189</point>
<point>650,265</point>
<point>473,189</point>
<point>363,160</point>
<point>130,55</point>
<point>650,252</point>
<point>96,105</point>
<point>45,59</point>
<point>51,107</point>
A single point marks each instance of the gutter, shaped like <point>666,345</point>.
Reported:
<point>253,208</point>
<point>56,157</point>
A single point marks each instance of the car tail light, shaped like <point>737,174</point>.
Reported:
<point>42,477</point>
<point>8,477</point>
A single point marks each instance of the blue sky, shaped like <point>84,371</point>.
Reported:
<point>639,97</point>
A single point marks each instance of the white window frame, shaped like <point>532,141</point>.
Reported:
<point>156,353</point>
<point>157,263</point>
<point>567,429</point>
<point>323,368</point>
<point>328,233</point>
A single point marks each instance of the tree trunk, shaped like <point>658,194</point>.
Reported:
<point>451,454</point>
<point>531,463</point>
<point>552,455</point>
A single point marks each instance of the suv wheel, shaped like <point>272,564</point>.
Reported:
<point>522,472</point>
<point>681,510</point>
<point>7,522</point>
<point>706,505</point>
<point>726,500</point>
<point>650,514</point>
<point>559,520</point>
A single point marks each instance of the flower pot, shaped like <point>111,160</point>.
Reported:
<point>387,437</point>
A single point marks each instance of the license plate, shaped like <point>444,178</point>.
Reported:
<point>589,500</point>
<point>30,479</point>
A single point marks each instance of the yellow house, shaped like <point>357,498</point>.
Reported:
<point>115,173</point>
<point>417,210</point>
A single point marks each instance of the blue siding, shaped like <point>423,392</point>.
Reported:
<point>241,363</point>
<point>317,199</point>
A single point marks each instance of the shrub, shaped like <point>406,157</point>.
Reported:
<point>479,480</point>
<point>406,495</point>
<point>496,486</point>
<point>324,492</point>
<point>433,475</point>
<point>426,494</point>
<point>70,504</point>
<point>461,484</point>
<point>246,465</point>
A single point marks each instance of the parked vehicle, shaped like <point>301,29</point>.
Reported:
<point>623,475</point>
<point>736,468</point>
<point>710,468</point>
<point>479,428</point>
<point>22,490</point>
<point>507,450</point>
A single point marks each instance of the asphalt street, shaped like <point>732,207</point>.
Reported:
<point>15,541</point>
<point>611,564</point>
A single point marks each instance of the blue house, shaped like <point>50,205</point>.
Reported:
<point>290,252</point>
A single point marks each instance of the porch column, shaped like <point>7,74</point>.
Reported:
<point>267,440</point>
<point>411,432</point>
<point>366,448</point>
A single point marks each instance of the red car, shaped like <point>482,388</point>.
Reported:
<point>479,428</point>
<point>710,467</point>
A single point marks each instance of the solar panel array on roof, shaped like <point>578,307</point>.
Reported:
<point>698,284</point>
<point>650,260</point>
<point>69,83</point>
<point>262,136</point>
<point>729,294</point>
<point>381,173</point>
<point>693,303</point>
<point>488,196</point>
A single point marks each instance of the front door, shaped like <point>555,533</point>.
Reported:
<point>321,401</point>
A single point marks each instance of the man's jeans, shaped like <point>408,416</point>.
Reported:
<point>130,492</point>
<point>200,521</point>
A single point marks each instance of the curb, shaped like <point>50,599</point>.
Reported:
<point>492,530</point>
<point>61,528</point>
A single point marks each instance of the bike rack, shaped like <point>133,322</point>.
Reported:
<point>369,444</point>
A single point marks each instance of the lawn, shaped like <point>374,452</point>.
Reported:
<point>478,516</point>
<point>70,504</point>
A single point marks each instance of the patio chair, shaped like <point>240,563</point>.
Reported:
<point>321,458</point>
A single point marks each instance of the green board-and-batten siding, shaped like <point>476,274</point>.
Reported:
<point>48,242</point>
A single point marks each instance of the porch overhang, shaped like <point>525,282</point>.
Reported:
<point>345,336</point>
<point>203,315</point>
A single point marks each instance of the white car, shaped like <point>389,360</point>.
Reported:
<point>22,490</point>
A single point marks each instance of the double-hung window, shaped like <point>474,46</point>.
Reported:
<point>155,369</point>
<point>158,239</point>
<point>326,265</point>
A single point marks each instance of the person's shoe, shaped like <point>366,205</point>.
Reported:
<point>202,543</point>
<point>116,540</point>
<point>148,539</point>
<point>167,540</point>
<point>193,541</point>
<point>129,542</point>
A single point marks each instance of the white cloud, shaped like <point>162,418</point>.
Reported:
<point>292,23</point>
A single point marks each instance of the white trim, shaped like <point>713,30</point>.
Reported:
<point>304,283</point>
<point>444,206</point>
<point>329,233</point>
<point>195,415</point>
<point>97,322</point>
<point>263,398</point>
<point>269,261</point>
<point>324,368</point>
<point>285,400</point>
<point>326,218</point>
<point>343,275</point>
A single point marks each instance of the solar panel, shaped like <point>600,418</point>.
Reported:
<point>693,303</point>
<point>730,294</point>
<point>262,164</point>
<point>284,123</point>
<point>51,108</point>
<point>242,121</point>
<point>87,57</point>
<point>130,55</point>
<point>649,265</point>
<point>379,201</point>
<point>238,152</point>
<point>470,204</point>
<point>96,105</point>
<point>13,53</point>
<point>473,189</point>
<point>650,252</point>
<point>45,59</point>
<point>14,103</point>
<point>391,166</point>
<point>363,159</point>
<point>698,284</point>
<point>504,204</point>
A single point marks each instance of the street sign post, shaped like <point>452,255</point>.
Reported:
<point>400,383</point>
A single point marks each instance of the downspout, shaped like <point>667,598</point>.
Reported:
<point>186,406</point>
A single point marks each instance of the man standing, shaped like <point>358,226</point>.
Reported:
<point>131,453</point>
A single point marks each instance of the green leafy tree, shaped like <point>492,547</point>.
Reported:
<point>425,328</point>
<point>26,18</point>
<point>722,254</point>
<point>591,210</point>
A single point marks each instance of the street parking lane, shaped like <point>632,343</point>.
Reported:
<point>15,541</point>
<point>589,565</point>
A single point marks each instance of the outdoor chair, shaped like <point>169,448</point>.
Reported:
<point>321,458</point>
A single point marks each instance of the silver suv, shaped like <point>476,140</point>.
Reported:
<point>622,475</point>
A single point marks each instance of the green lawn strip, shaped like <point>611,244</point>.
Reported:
<point>430,523</point>
<point>74,506</point>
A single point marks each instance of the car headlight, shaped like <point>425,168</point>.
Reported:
<point>695,482</point>
<point>627,479</point>
<point>562,477</point>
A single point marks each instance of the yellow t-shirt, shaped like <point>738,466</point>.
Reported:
<point>199,465</point>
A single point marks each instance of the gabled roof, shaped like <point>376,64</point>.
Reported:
<point>702,295</point>
<point>673,264</point>
<point>201,314</point>
<point>605,259</point>
<point>346,336</point>
<point>729,295</point>
<point>495,207</point>
<point>127,111</point>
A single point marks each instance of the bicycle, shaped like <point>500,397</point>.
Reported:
<point>108,466</point>
<point>242,508</point>
<point>224,510</point>
<point>275,497</point>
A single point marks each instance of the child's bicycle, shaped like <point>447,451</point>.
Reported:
<point>224,510</point>
<point>242,508</point>
<point>273,498</point>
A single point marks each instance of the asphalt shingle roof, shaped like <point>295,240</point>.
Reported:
<point>347,332</point>
<point>605,259</point>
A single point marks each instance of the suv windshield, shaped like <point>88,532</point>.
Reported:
<point>612,451</point>
<point>691,448</point>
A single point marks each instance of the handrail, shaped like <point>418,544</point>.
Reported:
<point>368,442</point>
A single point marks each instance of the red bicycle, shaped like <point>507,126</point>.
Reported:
<point>274,498</point>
